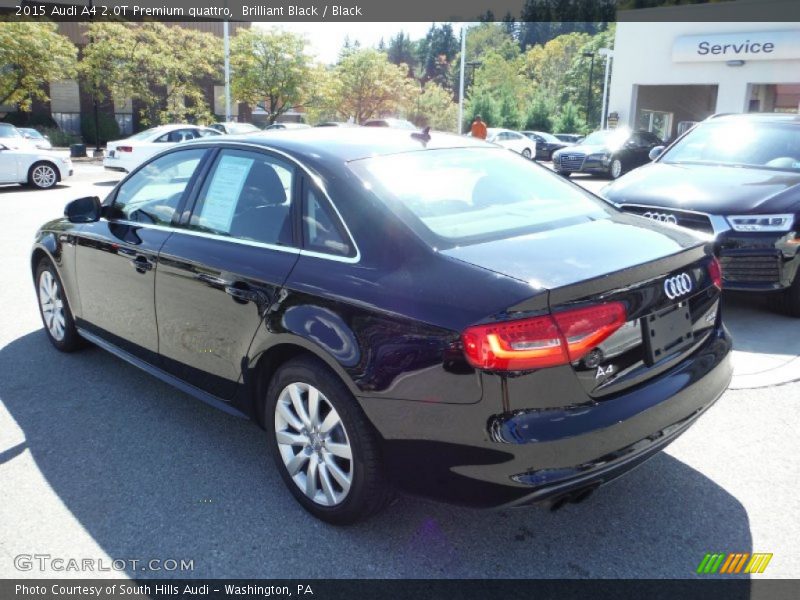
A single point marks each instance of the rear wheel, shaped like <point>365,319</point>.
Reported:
<point>54,309</point>
<point>326,451</point>
<point>788,301</point>
<point>42,175</point>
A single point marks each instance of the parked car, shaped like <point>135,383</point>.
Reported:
<point>287,125</point>
<point>512,140</point>
<point>546,143</point>
<point>11,137</point>
<point>125,155</point>
<point>32,166</point>
<point>736,177</point>
<point>426,311</point>
<point>611,152</point>
<point>234,128</point>
<point>393,123</point>
<point>37,138</point>
<point>572,138</point>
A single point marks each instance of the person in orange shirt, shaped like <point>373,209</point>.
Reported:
<point>478,128</point>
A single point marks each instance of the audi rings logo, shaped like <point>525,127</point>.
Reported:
<point>661,217</point>
<point>677,286</point>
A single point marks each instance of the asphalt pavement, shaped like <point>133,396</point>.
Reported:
<point>100,461</point>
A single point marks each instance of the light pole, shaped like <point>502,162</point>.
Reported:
<point>461,80</point>
<point>609,54</point>
<point>97,151</point>
<point>227,50</point>
<point>589,90</point>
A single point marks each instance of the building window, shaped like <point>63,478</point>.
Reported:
<point>656,121</point>
<point>125,123</point>
<point>774,97</point>
<point>69,122</point>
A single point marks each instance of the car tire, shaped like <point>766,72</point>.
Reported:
<point>42,175</point>
<point>616,169</point>
<point>341,490</point>
<point>564,173</point>
<point>54,309</point>
<point>788,301</point>
<point>526,153</point>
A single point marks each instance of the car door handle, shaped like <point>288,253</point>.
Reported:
<point>212,280</point>
<point>241,293</point>
<point>141,264</point>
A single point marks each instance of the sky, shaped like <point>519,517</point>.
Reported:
<point>326,39</point>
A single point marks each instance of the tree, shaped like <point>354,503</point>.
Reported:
<point>160,67</point>
<point>509,110</point>
<point>402,51</point>
<point>32,54</point>
<point>434,107</point>
<point>436,53</point>
<point>365,85</point>
<point>270,67</point>
<point>483,104</point>
<point>540,114</point>
<point>568,120</point>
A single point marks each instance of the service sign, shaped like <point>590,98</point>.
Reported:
<point>757,45</point>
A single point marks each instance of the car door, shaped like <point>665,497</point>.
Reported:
<point>9,165</point>
<point>221,271</point>
<point>116,257</point>
<point>641,144</point>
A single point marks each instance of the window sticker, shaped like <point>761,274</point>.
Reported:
<point>222,196</point>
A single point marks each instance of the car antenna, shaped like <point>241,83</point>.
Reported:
<point>423,136</point>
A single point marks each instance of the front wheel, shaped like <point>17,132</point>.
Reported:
<point>323,445</point>
<point>564,173</point>
<point>615,170</point>
<point>55,311</point>
<point>527,153</point>
<point>42,175</point>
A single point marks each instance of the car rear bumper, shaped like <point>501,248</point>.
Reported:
<point>539,456</point>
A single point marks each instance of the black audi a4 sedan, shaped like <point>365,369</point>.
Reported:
<point>611,153</point>
<point>736,177</point>
<point>397,309</point>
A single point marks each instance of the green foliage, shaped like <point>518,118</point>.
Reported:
<point>60,138</point>
<point>545,20</point>
<point>109,129</point>
<point>540,114</point>
<point>509,111</point>
<point>402,51</point>
<point>365,85</point>
<point>32,54</point>
<point>434,108</point>
<point>270,67</point>
<point>569,121</point>
<point>483,104</point>
<point>162,67</point>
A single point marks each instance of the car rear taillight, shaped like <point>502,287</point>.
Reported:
<point>715,272</point>
<point>124,148</point>
<point>546,341</point>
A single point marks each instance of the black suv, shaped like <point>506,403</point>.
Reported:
<point>736,177</point>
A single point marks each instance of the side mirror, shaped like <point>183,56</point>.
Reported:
<point>83,210</point>
<point>655,152</point>
<point>3,147</point>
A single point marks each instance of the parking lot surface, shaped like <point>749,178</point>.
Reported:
<point>99,460</point>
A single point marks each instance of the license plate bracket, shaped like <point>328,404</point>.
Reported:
<point>667,331</point>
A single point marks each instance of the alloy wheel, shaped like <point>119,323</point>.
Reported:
<point>616,168</point>
<point>526,153</point>
<point>313,444</point>
<point>43,176</point>
<point>52,305</point>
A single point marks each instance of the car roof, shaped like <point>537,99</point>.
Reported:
<point>348,143</point>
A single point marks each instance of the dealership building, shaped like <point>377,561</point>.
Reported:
<point>668,74</point>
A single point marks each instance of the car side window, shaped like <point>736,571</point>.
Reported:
<point>322,231</point>
<point>247,196</point>
<point>151,195</point>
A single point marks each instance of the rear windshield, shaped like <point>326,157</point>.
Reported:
<point>469,195</point>
<point>740,144</point>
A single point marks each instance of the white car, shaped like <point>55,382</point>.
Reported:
<point>29,165</point>
<point>512,140</point>
<point>126,155</point>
